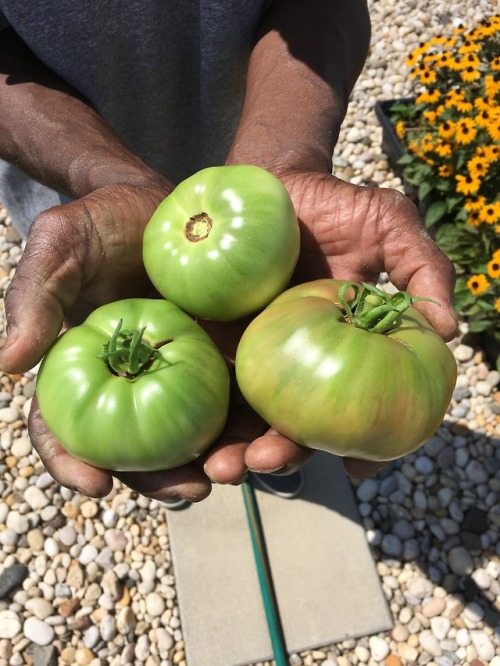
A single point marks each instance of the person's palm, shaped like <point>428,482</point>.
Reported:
<point>355,233</point>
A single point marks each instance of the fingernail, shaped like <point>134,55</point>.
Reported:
<point>283,470</point>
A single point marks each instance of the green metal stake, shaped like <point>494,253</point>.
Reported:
<point>265,577</point>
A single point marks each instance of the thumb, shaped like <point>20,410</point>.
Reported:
<point>44,287</point>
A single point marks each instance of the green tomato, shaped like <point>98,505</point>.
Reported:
<point>224,243</point>
<point>313,365</point>
<point>139,386</point>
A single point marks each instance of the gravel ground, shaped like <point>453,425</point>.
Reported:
<point>86,582</point>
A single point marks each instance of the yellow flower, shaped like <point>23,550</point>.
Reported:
<point>446,129</point>
<point>467,184</point>
<point>491,86</point>
<point>493,129</point>
<point>478,284</point>
<point>481,104</point>
<point>492,153</point>
<point>427,143</point>
<point>495,64</point>
<point>445,170</point>
<point>490,213</point>
<point>443,148</point>
<point>454,62</point>
<point>470,74</point>
<point>474,220</point>
<point>478,167</point>
<point>465,131</point>
<point>458,101</point>
<point>427,76</point>
<point>463,106</point>
<point>430,116</point>
<point>469,46</point>
<point>429,97</point>
<point>497,305</point>
<point>474,204</point>
<point>470,60</point>
<point>484,117</point>
<point>493,269</point>
<point>400,129</point>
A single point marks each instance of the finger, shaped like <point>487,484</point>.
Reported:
<point>188,482</point>
<point>225,462</point>
<point>414,262</point>
<point>362,469</point>
<point>43,287</point>
<point>273,452</point>
<point>66,470</point>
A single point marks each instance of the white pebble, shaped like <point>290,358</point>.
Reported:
<point>430,643</point>
<point>10,624</point>
<point>38,631</point>
<point>379,648</point>
<point>484,646</point>
<point>440,626</point>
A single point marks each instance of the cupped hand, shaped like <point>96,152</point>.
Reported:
<point>355,233</point>
<point>80,256</point>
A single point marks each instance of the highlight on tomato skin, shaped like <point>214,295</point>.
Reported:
<point>344,369</point>
<point>224,243</point>
<point>139,386</point>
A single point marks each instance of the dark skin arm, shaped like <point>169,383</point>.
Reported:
<point>86,253</point>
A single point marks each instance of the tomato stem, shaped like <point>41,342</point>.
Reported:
<point>127,353</point>
<point>375,310</point>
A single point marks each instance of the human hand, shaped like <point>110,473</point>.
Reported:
<point>350,233</point>
<point>355,233</point>
<point>77,257</point>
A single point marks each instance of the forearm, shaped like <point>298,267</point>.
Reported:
<point>52,134</point>
<point>302,70</point>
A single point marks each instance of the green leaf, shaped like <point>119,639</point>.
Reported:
<point>435,212</point>
<point>424,190</point>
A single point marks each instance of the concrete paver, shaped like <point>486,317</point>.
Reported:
<point>325,578</point>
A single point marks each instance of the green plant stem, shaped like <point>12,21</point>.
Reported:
<point>127,352</point>
<point>372,309</point>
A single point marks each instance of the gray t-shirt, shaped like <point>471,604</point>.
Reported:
<point>168,76</point>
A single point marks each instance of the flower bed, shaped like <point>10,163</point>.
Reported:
<point>450,142</point>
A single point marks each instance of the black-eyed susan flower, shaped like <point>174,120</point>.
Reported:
<point>493,269</point>
<point>427,76</point>
<point>473,219</point>
<point>400,129</point>
<point>474,203</point>
<point>495,64</point>
<point>470,74</point>
<point>467,184</point>
<point>491,86</point>
<point>497,305</point>
<point>478,167</point>
<point>465,131</point>
<point>493,129</point>
<point>445,170</point>
<point>490,212</point>
<point>428,97</point>
<point>484,117</point>
<point>492,153</point>
<point>446,129</point>
<point>443,148</point>
<point>478,284</point>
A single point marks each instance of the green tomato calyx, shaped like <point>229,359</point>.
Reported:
<point>375,310</point>
<point>198,227</point>
<point>127,353</point>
